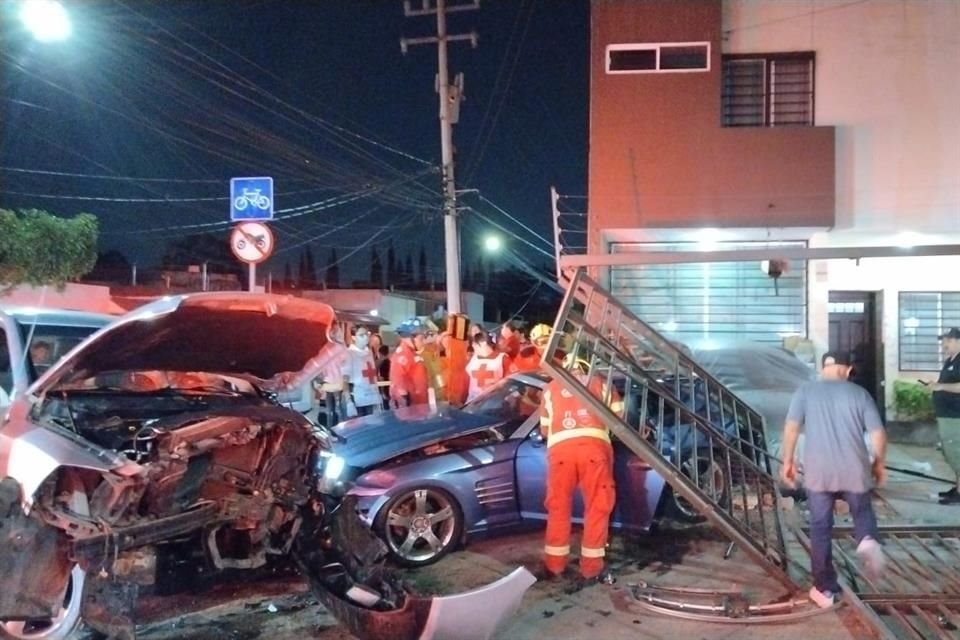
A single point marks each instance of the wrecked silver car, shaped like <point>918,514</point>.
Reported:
<point>157,443</point>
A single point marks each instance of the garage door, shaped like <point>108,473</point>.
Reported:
<point>708,304</point>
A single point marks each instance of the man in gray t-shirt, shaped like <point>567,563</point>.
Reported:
<point>835,414</point>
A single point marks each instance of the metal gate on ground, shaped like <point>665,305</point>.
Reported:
<point>918,597</point>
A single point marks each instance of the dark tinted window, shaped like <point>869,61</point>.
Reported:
<point>633,60</point>
<point>685,57</point>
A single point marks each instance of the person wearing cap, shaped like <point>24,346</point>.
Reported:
<point>834,413</point>
<point>408,373</point>
<point>946,400</point>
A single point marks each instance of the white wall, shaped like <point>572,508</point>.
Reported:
<point>888,78</point>
<point>887,275</point>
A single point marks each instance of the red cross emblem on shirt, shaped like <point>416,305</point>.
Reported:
<point>483,376</point>
<point>369,373</point>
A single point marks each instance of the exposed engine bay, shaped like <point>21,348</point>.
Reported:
<point>230,483</point>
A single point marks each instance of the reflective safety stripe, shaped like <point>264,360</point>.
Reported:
<point>545,421</point>
<point>557,551</point>
<point>616,407</point>
<point>590,552</point>
<point>578,432</point>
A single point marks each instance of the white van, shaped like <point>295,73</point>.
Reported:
<point>32,339</point>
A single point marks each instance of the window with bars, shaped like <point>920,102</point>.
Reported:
<point>924,317</point>
<point>768,90</point>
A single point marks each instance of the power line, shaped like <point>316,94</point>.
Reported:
<point>515,220</point>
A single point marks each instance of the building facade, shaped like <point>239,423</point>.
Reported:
<point>729,124</point>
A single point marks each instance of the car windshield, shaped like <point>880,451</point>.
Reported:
<point>510,400</point>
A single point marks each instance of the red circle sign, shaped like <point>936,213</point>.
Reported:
<point>252,242</point>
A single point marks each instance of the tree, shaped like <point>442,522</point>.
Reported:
<point>424,278</point>
<point>408,277</point>
<point>288,282</point>
<point>197,249</point>
<point>391,266</point>
<point>302,279</point>
<point>376,269</point>
<point>39,248</point>
<point>311,281</point>
<point>333,271</point>
<point>111,266</point>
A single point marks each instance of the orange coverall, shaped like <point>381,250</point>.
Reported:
<point>527,360</point>
<point>579,454</point>
<point>408,377</point>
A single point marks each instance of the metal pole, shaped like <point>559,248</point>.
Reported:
<point>450,236</point>
<point>253,277</point>
<point>555,206</point>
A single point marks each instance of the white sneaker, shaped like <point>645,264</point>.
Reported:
<point>871,557</point>
<point>823,599</point>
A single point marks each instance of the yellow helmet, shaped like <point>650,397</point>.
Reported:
<point>571,364</point>
<point>540,334</point>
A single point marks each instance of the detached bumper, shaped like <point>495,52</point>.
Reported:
<point>391,613</point>
<point>474,615</point>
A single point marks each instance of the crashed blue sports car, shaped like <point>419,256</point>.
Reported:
<point>426,480</point>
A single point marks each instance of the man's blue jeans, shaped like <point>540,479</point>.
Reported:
<point>821,530</point>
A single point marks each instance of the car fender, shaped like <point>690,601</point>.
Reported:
<point>29,453</point>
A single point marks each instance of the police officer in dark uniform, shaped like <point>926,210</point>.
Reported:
<point>946,399</point>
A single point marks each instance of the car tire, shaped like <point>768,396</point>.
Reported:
<point>678,508</point>
<point>59,628</point>
<point>420,526</point>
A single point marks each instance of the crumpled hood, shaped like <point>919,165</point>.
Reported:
<point>223,332</point>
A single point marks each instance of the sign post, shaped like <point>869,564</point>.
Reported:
<point>252,242</point>
<point>251,204</point>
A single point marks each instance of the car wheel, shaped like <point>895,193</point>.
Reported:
<point>712,482</point>
<point>58,628</point>
<point>420,526</point>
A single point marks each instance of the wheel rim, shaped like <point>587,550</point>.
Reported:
<point>60,626</point>
<point>711,483</point>
<point>420,525</point>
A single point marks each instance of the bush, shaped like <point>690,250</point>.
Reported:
<point>913,401</point>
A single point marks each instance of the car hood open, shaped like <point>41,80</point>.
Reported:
<point>224,332</point>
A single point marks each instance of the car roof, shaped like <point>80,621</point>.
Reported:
<point>63,317</point>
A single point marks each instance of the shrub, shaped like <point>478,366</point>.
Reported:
<point>913,401</point>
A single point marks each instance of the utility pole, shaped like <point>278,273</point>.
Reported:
<point>450,97</point>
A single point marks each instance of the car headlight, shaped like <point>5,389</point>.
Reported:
<point>334,468</point>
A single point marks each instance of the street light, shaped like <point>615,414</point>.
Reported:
<point>47,20</point>
<point>492,243</point>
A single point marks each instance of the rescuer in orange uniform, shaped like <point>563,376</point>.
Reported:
<point>408,373</point>
<point>579,454</point>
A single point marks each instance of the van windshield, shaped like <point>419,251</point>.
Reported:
<point>47,343</point>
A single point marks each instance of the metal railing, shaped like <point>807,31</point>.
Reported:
<point>707,443</point>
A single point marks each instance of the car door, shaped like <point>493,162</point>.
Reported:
<point>638,487</point>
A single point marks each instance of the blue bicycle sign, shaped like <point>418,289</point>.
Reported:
<point>251,199</point>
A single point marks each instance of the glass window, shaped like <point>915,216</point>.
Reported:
<point>510,400</point>
<point>633,60</point>
<point>49,343</point>
<point>6,373</point>
<point>768,90</point>
<point>658,57</point>
<point>924,317</point>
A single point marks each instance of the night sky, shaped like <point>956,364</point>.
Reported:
<point>173,98</point>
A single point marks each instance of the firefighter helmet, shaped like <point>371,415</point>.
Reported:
<point>410,328</point>
<point>540,334</point>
